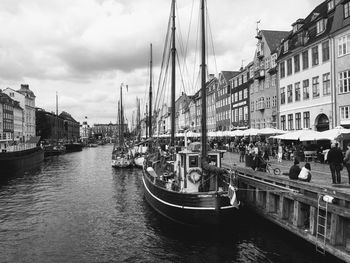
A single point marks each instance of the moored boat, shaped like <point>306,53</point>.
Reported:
<point>73,147</point>
<point>12,162</point>
<point>190,187</point>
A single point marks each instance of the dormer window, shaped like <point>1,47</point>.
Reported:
<point>346,10</point>
<point>330,5</point>
<point>314,16</point>
<point>285,46</point>
<point>321,26</point>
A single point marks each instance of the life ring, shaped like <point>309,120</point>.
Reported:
<point>194,175</point>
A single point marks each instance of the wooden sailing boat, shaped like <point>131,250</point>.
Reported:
<point>143,146</point>
<point>192,188</point>
<point>121,154</point>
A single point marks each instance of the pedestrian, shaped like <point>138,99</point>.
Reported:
<point>335,160</point>
<point>347,160</point>
<point>279,153</point>
<point>305,174</point>
<point>242,150</point>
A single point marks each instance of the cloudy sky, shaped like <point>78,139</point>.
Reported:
<point>84,49</point>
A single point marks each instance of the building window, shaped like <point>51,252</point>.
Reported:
<point>325,51</point>
<point>273,60</point>
<point>290,122</point>
<point>326,84</point>
<point>274,101</point>
<point>282,69</point>
<point>314,55</point>
<point>245,93</point>
<point>344,81</point>
<point>321,26</point>
<point>283,122</point>
<point>283,96</point>
<point>289,66</point>
<point>306,119</point>
<point>285,46</point>
<point>305,56</point>
<point>344,113</point>
<point>306,92</point>
<point>268,103</point>
<point>290,93</point>
<point>297,63</point>
<point>297,91</point>
<point>315,88</point>
<point>252,106</point>
<point>246,114</point>
<point>298,121</point>
<point>347,10</point>
<point>330,5</point>
<point>343,45</point>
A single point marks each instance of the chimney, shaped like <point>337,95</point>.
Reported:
<point>24,86</point>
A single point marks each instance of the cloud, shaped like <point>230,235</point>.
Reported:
<point>84,49</point>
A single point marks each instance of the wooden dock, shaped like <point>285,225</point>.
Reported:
<point>318,211</point>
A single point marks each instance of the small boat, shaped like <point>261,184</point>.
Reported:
<point>122,156</point>
<point>73,147</point>
<point>92,145</point>
<point>53,150</point>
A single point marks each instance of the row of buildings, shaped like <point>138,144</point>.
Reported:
<point>298,79</point>
<point>20,119</point>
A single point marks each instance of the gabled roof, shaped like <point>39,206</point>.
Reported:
<point>66,116</point>
<point>273,38</point>
<point>229,74</point>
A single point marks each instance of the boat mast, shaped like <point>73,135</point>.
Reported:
<point>173,56</point>
<point>121,116</point>
<point>150,97</point>
<point>146,121</point>
<point>203,88</point>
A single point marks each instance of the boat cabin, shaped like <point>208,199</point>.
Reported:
<point>188,168</point>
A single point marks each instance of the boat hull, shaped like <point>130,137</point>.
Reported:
<point>73,147</point>
<point>195,209</point>
<point>20,161</point>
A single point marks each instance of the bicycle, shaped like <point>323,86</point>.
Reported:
<point>276,171</point>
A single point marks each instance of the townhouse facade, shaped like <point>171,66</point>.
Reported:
<point>7,108</point>
<point>263,91</point>
<point>340,36</point>
<point>306,90</point>
<point>211,88</point>
<point>240,85</point>
<point>223,100</point>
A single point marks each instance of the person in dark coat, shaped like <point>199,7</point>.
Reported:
<point>335,160</point>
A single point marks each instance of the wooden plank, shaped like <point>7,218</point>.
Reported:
<point>297,214</point>
<point>336,231</point>
<point>283,209</point>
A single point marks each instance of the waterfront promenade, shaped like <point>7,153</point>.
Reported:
<point>321,174</point>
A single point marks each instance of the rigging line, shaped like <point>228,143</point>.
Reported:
<point>166,43</point>
<point>211,37</point>
<point>194,80</point>
<point>181,76</point>
<point>164,81</point>
<point>187,43</point>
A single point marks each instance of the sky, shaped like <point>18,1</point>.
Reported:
<point>85,49</point>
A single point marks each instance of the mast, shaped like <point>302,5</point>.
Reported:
<point>150,98</point>
<point>146,121</point>
<point>138,120</point>
<point>119,122</point>
<point>203,90</point>
<point>121,116</point>
<point>57,118</point>
<point>173,56</point>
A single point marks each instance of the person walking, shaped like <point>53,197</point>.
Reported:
<point>335,160</point>
<point>242,150</point>
<point>280,153</point>
<point>347,160</point>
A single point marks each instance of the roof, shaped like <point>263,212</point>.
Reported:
<point>273,38</point>
<point>66,116</point>
<point>229,74</point>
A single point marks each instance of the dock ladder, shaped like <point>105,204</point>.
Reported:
<point>321,228</point>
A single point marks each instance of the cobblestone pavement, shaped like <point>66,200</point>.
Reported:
<point>321,174</point>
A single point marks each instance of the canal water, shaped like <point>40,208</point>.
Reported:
<point>77,208</point>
